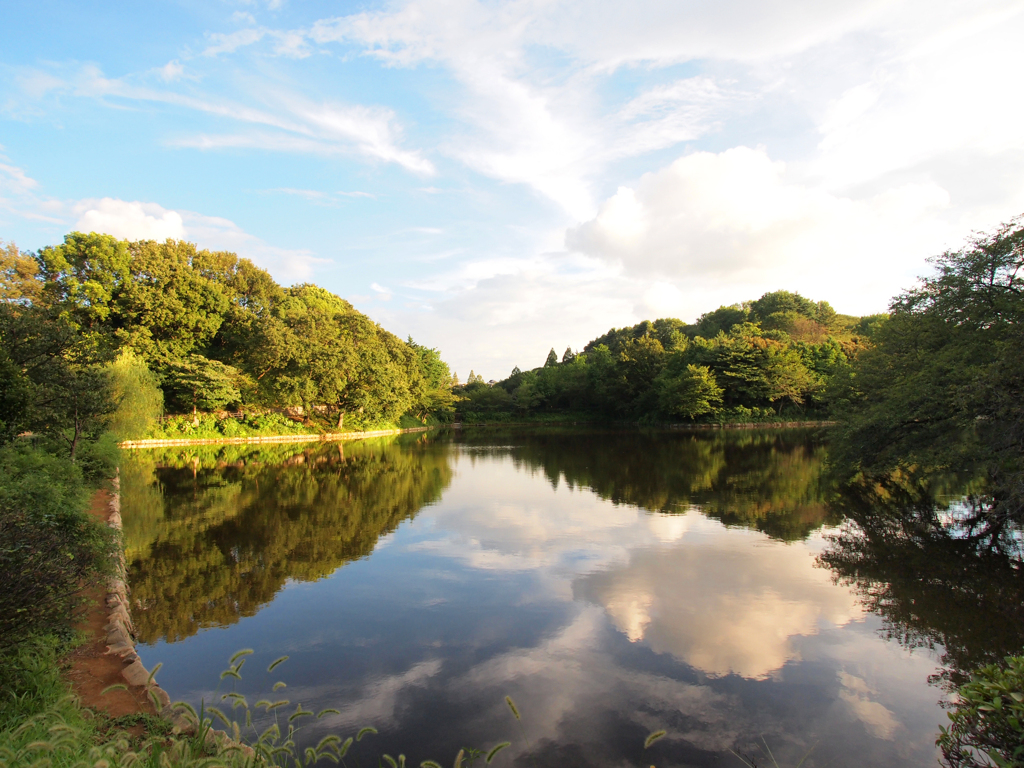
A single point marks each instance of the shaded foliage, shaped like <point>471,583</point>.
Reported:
<point>48,544</point>
<point>942,387</point>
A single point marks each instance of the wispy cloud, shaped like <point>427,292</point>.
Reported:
<point>299,124</point>
<point>318,197</point>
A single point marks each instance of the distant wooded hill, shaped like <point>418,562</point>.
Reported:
<point>756,360</point>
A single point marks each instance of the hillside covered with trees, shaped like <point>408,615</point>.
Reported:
<point>779,355</point>
<point>192,330</point>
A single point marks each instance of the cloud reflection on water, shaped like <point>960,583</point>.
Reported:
<point>604,622</point>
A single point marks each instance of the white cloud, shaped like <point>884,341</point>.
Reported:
<point>740,221</point>
<point>150,221</point>
<point>15,178</point>
<point>171,71</point>
<point>231,41</point>
<point>129,220</point>
<point>295,123</point>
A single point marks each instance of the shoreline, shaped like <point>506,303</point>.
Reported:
<point>323,437</point>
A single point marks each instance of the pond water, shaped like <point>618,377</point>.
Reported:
<point>611,583</point>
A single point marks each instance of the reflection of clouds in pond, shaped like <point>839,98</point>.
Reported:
<point>764,594</point>
<point>526,529</point>
<point>877,718</point>
<point>564,683</point>
<point>650,572</point>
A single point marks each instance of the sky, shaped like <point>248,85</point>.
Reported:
<point>503,177</point>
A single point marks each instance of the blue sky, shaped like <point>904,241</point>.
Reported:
<point>497,178</point>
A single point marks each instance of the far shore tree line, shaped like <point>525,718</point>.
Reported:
<point>780,354</point>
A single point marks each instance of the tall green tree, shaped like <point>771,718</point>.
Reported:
<point>689,391</point>
<point>53,376</point>
<point>944,384</point>
<point>201,383</point>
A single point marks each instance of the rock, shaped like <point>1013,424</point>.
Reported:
<point>136,674</point>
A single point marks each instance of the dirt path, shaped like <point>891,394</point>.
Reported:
<point>91,668</point>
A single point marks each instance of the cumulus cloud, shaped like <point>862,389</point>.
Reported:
<point>741,220</point>
<point>149,221</point>
<point>129,220</point>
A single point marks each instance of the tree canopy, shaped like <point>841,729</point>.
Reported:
<point>943,384</point>
<point>215,330</point>
<point>751,361</point>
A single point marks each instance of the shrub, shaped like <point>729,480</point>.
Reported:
<point>48,543</point>
<point>987,723</point>
<point>140,402</point>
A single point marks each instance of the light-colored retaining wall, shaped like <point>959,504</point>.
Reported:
<point>323,437</point>
<point>121,642</point>
<point>120,631</point>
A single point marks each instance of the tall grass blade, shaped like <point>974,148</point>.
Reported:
<point>239,654</point>
<point>512,706</point>
<point>275,662</point>
<point>496,749</point>
<point>364,731</point>
<point>653,738</point>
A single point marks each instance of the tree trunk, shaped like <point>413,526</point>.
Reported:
<point>341,419</point>
<point>74,440</point>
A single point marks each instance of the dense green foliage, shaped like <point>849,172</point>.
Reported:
<point>48,543</point>
<point>943,385</point>
<point>753,362</point>
<point>988,719</point>
<point>136,390</point>
<point>216,331</point>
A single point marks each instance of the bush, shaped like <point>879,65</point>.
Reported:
<point>987,723</point>
<point>140,402</point>
<point>48,543</point>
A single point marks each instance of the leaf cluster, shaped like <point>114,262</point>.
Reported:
<point>987,723</point>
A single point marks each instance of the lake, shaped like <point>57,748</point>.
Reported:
<point>611,582</point>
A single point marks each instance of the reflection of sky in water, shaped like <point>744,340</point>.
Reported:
<point>603,622</point>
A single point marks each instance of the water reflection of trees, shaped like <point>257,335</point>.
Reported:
<point>771,481</point>
<point>935,576</point>
<point>213,536</point>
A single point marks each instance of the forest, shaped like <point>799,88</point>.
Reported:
<point>169,327</point>
<point>779,355</point>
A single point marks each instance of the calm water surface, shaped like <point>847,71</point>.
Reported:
<point>612,583</point>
